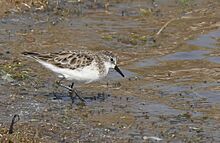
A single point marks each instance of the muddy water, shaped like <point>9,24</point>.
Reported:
<point>171,89</point>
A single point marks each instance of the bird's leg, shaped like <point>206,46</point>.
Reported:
<point>71,91</point>
<point>56,85</point>
<point>76,94</point>
<point>64,86</point>
<point>59,81</point>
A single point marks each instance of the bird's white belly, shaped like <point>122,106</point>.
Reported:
<point>86,74</point>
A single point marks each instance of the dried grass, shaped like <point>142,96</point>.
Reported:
<point>8,6</point>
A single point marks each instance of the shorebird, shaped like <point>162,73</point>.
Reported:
<point>77,66</point>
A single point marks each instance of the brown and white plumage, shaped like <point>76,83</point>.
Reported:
<point>78,65</point>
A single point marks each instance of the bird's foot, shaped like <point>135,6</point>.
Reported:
<point>73,91</point>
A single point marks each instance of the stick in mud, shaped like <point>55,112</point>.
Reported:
<point>13,121</point>
<point>165,25</point>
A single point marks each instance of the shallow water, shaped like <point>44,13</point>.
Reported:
<point>214,59</point>
<point>192,55</point>
<point>207,40</point>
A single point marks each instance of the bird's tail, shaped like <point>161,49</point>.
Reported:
<point>31,54</point>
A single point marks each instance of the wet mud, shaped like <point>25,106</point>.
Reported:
<point>168,50</point>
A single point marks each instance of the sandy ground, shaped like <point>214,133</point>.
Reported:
<point>168,50</point>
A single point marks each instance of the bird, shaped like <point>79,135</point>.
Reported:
<point>81,66</point>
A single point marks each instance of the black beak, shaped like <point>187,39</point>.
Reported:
<point>119,71</point>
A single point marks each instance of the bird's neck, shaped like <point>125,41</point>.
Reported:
<point>107,67</point>
<point>103,66</point>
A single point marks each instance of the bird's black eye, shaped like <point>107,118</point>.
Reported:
<point>112,60</point>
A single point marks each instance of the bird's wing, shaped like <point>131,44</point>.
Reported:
<point>65,59</point>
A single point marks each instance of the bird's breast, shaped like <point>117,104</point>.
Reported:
<point>86,74</point>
